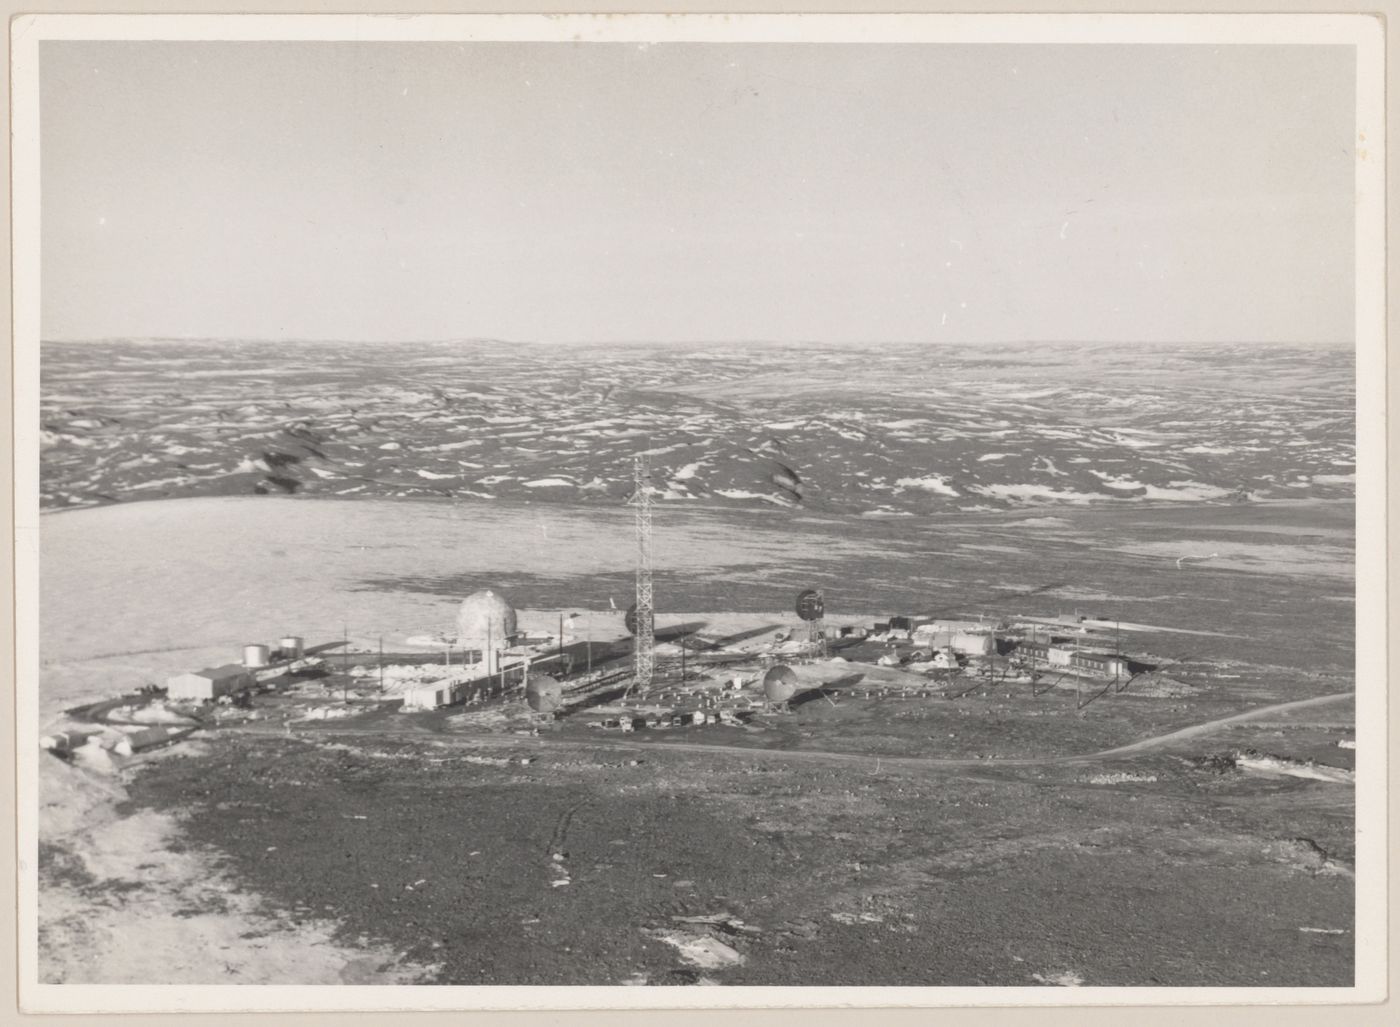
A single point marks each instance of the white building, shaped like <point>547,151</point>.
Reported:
<point>943,659</point>
<point>209,684</point>
<point>972,643</point>
<point>486,623</point>
<point>432,695</point>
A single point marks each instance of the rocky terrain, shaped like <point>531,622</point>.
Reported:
<point>1197,828</point>
<point>881,431</point>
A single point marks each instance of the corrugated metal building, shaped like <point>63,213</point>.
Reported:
<point>209,683</point>
<point>971,643</point>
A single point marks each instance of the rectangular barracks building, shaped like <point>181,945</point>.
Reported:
<point>1105,664</point>
<point>210,683</point>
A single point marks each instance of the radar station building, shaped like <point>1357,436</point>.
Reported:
<point>486,623</point>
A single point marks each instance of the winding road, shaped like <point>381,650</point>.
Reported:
<point>819,755</point>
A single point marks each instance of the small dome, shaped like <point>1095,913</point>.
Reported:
<point>484,617</point>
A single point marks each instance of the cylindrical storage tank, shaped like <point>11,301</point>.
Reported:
<point>255,655</point>
<point>292,647</point>
<point>780,683</point>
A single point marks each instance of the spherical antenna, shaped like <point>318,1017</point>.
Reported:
<point>544,694</point>
<point>780,683</point>
<point>810,605</point>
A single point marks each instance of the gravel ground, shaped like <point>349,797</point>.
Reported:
<point>573,868</point>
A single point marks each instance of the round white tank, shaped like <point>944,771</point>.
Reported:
<point>255,656</point>
<point>292,646</point>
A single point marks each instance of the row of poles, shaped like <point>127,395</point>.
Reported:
<point>447,657</point>
<point>1078,680</point>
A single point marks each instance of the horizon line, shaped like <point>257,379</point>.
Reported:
<point>492,340</point>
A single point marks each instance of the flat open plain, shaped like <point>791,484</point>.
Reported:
<point>975,839</point>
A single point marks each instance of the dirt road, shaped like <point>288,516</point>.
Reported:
<point>754,752</point>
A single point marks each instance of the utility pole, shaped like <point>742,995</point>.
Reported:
<point>1118,654</point>
<point>1033,681</point>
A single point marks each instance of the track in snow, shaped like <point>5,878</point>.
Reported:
<point>1132,748</point>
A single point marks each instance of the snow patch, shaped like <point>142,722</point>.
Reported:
<point>932,483</point>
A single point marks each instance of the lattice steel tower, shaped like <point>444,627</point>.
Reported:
<point>816,638</point>
<point>644,640</point>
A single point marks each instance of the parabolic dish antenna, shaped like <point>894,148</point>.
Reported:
<point>780,683</point>
<point>544,694</point>
<point>810,605</point>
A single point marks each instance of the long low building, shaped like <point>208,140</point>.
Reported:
<point>943,625</point>
<point>971,643</point>
<point>209,684</point>
<point>449,691</point>
<point>1106,664</point>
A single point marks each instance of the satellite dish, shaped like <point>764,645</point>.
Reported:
<point>780,683</point>
<point>544,694</point>
<point>810,605</point>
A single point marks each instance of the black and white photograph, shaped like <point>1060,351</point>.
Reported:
<point>870,506</point>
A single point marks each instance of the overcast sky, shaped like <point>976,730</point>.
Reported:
<point>599,192</point>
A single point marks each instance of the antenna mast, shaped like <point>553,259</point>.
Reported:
<point>644,640</point>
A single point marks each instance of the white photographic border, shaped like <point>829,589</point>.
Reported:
<point>1365,33</point>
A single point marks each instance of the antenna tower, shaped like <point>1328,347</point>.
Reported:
<point>644,640</point>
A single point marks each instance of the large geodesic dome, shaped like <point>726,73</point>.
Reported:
<point>485,619</point>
